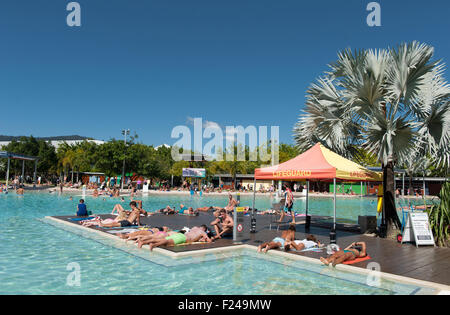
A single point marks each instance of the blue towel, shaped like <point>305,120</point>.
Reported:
<point>81,219</point>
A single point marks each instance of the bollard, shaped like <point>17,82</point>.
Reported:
<point>333,236</point>
<point>307,223</point>
<point>253,223</point>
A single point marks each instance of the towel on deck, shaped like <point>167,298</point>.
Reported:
<point>357,260</point>
<point>81,219</point>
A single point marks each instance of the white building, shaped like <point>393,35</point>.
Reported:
<point>54,141</point>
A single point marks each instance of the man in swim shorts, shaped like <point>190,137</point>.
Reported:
<point>309,242</point>
<point>278,242</point>
<point>205,209</point>
<point>353,251</point>
<point>196,234</point>
<point>133,218</point>
<point>288,204</point>
<point>231,203</point>
<point>223,224</point>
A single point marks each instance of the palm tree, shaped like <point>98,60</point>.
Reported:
<point>392,102</point>
<point>414,165</point>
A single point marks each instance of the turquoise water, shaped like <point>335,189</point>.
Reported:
<point>35,256</point>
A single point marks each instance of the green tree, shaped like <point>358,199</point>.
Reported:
<point>392,102</point>
<point>33,147</point>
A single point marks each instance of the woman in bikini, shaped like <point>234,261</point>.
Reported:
<point>353,251</point>
<point>147,232</point>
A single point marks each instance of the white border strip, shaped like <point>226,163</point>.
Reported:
<point>441,288</point>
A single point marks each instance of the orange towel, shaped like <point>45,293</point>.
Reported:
<point>357,260</point>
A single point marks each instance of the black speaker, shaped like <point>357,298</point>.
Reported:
<point>367,224</point>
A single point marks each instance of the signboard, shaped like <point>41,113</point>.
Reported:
<point>194,172</point>
<point>417,229</point>
<point>238,229</point>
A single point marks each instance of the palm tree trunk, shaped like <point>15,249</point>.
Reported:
<point>390,222</point>
<point>410,189</point>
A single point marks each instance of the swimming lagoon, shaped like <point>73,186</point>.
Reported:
<point>36,255</point>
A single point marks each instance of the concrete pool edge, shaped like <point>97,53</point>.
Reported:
<point>439,288</point>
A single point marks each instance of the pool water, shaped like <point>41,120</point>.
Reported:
<point>35,257</point>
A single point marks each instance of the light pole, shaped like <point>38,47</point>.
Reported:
<point>125,132</point>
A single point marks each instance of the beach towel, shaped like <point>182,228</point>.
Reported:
<point>125,231</point>
<point>82,219</point>
<point>193,243</point>
<point>312,249</point>
<point>117,227</point>
<point>189,215</point>
<point>357,260</point>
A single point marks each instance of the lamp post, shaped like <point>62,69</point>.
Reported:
<point>125,132</point>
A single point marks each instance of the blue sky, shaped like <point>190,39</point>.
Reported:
<point>152,65</point>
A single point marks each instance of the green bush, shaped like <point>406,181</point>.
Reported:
<point>440,216</point>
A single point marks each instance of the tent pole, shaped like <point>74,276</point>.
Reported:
<point>403,184</point>
<point>307,218</point>
<point>23,171</point>
<point>307,197</point>
<point>333,230</point>
<point>253,219</point>
<point>34,174</point>
<point>254,196</point>
<point>7,174</point>
<point>334,205</point>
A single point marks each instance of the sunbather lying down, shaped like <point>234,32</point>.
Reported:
<point>278,242</point>
<point>134,236</point>
<point>196,234</point>
<point>167,210</point>
<point>353,251</point>
<point>309,242</point>
<point>205,209</point>
<point>187,210</point>
<point>147,239</point>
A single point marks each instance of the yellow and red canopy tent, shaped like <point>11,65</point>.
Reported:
<point>318,163</point>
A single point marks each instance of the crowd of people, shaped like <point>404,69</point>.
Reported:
<point>221,226</point>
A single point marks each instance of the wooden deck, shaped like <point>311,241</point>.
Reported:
<point>423,263</point>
